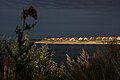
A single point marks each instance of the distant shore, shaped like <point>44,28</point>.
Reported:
<point>90,42</point>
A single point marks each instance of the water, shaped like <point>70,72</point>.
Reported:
<point>74,50</point>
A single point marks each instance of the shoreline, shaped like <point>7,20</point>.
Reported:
<point>90,42</point>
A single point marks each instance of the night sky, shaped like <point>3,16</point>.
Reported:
<point>63,18</point>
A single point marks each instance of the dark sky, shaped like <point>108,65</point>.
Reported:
<point>64,18</point>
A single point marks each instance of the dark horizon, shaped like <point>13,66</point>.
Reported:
<point>65,18</point>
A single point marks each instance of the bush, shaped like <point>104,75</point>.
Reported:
<point>22,60</point>
<point>98,67</point>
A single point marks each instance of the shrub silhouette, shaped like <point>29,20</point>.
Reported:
<point>23,60</point>
<point>27,61</point>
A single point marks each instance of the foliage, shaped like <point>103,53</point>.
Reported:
<point>29,62</point>
<point>101,66</point>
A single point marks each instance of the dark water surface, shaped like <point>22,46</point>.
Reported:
<point>74,50</point>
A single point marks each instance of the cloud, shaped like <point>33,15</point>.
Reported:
<point>60,3</point>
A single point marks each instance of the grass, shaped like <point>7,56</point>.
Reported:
<point>29,62</point>
<point>99,67</point>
